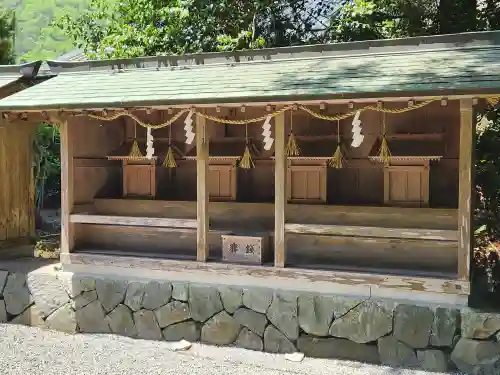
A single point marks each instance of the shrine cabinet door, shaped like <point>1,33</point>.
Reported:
<point>306,184</point>
<point>407,186</point>
<point>139,180</point>
<point>222,182</point>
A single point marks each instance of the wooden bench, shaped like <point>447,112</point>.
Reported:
<point>131,221</point>
<point>373,232</point>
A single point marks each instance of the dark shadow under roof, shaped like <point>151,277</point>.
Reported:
<point>411,148</point>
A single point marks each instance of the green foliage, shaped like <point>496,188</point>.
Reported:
<point>7,31</point>
<point>36,38</point>
<point>144,27</point>
<point>47,165</point>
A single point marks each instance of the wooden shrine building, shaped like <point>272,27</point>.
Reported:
<point>17,206</point>
<point>344,167</point>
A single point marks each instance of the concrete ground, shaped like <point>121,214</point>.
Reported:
<point>32,351</point>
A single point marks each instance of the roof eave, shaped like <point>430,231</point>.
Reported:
<point>27,70</point>
<point>261,99</point>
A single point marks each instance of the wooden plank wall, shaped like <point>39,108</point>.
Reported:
<point>93,174</point>
<point>17,206</point>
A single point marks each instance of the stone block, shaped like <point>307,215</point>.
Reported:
<point>180,291</point>
<point>47,291</point>
<point>283,313</point>
<point>110,292</point>
<point>204,301</point>
<point>249,340</point>
<point>343,305</point>
<point>75,284</point>
<point>277,342</point>
<point>476,356</point>
<point>321,347</point>
<point>173,312</point>
<point>146,325</point>
<point>156,294</point>
<point>3,280</point>
<point>395,353</point>
<point>444,327</point>
<point>16,294</point>
<point>63,319</point>
<point>134,295</point>
<point>257,299</point>
<point>433,360</point>
<point>232,298</point>
<point>412,325</point>
<point>189,331</point>
<point>254,321</point>
<point>121,321</point>
<point>3,312</point>
<point>221,329</point>
<point>31,317</point>
<point>84,299</point>
<point>316,313</point>
<point>476,325</point>
<point>92,319</point>
<point>366,322</point>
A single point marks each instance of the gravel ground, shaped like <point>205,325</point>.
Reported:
<point>31,351</point>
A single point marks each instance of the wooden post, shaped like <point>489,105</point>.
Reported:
<point>465,186</point>
<point>67,184</point>
<point>280,195</point>
<point>4,179</point>
<point>202,191</point>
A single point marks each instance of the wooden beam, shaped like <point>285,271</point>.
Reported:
<point>279,191</point>
<point>133,221</point>
<point>67,185</point>
<point>374,232</point>
<point>202,189</point>
<point>465,185</point>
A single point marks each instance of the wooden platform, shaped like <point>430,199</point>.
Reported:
<point>387,238</point>
<point>363,283</point>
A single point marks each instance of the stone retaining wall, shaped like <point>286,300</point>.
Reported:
<point>396,334</point>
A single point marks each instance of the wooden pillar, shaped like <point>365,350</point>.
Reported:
<point>67,185</point>
<point>465,186</point>
<point>202,189</point>
<point>4,180</point>
<point>279,191</point>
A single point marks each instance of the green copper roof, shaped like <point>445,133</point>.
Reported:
<point>336,75</point>
<point>6,80</point>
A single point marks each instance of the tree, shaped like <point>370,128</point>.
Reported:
<point>144,27</point>
<point>7,32</point>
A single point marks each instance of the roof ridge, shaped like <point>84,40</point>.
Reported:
<point>119,70</point>
<point>471,40</point>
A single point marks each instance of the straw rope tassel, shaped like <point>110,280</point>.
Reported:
<point>169,161</point>
<point>135,151</point>
<point>292,148</point>
<point>246,161</point>
<point>384,153</point>
<point>337,161</point>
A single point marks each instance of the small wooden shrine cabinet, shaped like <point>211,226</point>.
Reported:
<point>224,156</point>
<point>140,174</point>
<point>261,172</point>
<point>407,173</point>
<point>307,172</point>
